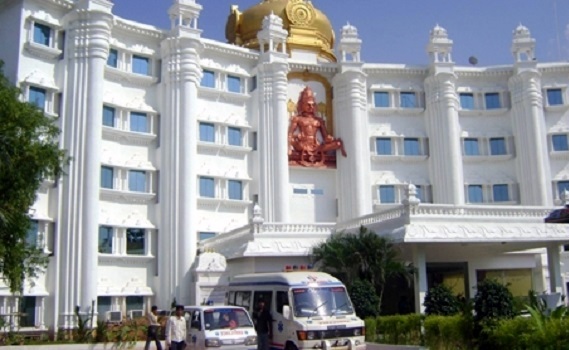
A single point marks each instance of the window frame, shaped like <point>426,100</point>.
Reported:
<point>467,147</point>
<point>231,194</point>
<point>135,176</point>
<point>377,101</point>
<point>492,142</point>
<point>109,232</point>
<point>508,197</point>
<point>462,98</point>
<point>206,233</point>
<point>208,181</point>
<point>564,142</point>
<point>234,84</point>
<point>144,236</point>
<point>208,79</point>
<point>106,110</point>
<point>380,142</point>
<point>135,123</point>
<point>113,58</point>
<point>403,99</point>
<point>204,135</point>
<point>34,89</point>
<point>413,151</point>
<point>470,194</point>
<point>560,96</point>
<point>50,33</point>
<point>381,193</point>
<point>136,60</point>
<point>232,137</point>
<point>103,183</point>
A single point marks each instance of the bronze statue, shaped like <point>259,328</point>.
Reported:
<point>309,142</point>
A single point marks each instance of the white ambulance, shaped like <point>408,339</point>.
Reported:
<point>310,310</point>
<point>220,327</point>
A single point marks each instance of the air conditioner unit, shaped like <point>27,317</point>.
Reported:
<point>132,314</point>
<point>114,316</point>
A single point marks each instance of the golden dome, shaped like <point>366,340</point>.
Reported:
<point>308,28</point>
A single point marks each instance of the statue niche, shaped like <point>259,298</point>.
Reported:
<point>310,145</point>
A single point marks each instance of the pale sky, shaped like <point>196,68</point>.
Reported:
<point>397,31</point>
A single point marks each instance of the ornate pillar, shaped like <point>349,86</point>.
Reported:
<point>273,122</point>
<point>87,50</point>
<point>350,104</point>
<point>421,286</point>
<point>181,78</point>
<point>528,124</point>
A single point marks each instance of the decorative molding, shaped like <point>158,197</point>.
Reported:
<point>128,137</point>
<point>125,259</point>
<point>558,108</point>
<point>483,112</point>
<point>230,50</point>
<point>120,76</point>
<point>212,148</point>
<point>144,30</point>
<point>126,196</point>
<point>487,158</point>
<point>42,51</point>
<point>218,95</point>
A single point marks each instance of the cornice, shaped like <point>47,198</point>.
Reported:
<point>126,259</point>
<point>119,75</point>
<point>216,149</point>
<point>230,50</point>
<point>218,95</point>
<point>560,67</point>
<point>140,29</point>
<point>322,68</point>
<point>42,51</point>
<point>64,4</point>
<point>472,72</point>
<point>126,196</point>
<point>396,69</point>
<point>128,137</point>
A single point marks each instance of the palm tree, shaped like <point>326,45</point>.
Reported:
<point>365,256</point>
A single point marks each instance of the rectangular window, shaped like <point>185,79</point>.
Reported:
<point>554,97</point>
<point>467,101</point>
<point>137,181</point>
<point>235,189</point>
<point>105,240</point>
<point>234,136</point>
<point>107,177</point>
<point>103,305</point>
<point>471,147</point>
<point>135,238</point>
<point>138,122</point>
<point>140,65</point>
<point>282,300</point>
<point>500,193</point>
<point>108,116</point>
<point>420,193</point>
<point>475,194</point>
<point>411,147</point>
<point>408,99</point>
<point>297,190</point>
<point>497,146</point>
<point>28,310</point>
<point>253,84</point>
<point>387,194</point>
<point>207,132</point>
<point>37,96</point>
<point>381,99</point>
<point>134,303</point>
<point>206,235</point>
<point>492,100</point>
<point>32,234</point>
<point>233,84</point>
<point>113,58</point>
<point>207,187</point>
<point>560,143</point>
<point>42,34</point>
<point>208,79</point>
<point>383,146</point>
<point>562,186</point>
<point>317,191</point>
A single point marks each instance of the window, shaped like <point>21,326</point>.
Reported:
<point>208,79</point>
<point>381,99</point>
<point>408,99</point>
<point>107,177</point>
<point>138,122</point>
<point>207,187</point>
<point>282,300</point>
<point>135,238</point>
<point>387,194</point>
<point>140,65</point>
<point>41,34</point>
<point>28,309</point>
<point>471,147</point>
<point>562,186</point>
<point>297,190</point>
<point>383,146</point>
<point>235,189</point>
<point>103,305</point>
<point>233,84</point>
<point>134,303</point>
<point>37,96</point>
<point>411,147</point>
<point>492,100</point>
<point>497,146</point>
<point>500,193</point>
<point>206,235</point>
<point>421,193</point>
<point>207,132</point>
<point>32,234</point>
<point>105,240</point>
<point>467,101</point>
<point>253,84</point>
<point>108,116</point>
<point>475,194</point>
<point>234,136</point>
<point>554,97</point>
<point>560,143</point>
<point>112,60</point>
<point>317,191</point>
<point>137,181</point>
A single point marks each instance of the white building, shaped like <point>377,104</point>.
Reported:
<point>174,137</point>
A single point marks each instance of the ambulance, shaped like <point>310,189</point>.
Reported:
<point>310,310</point>
<point>219,327</point>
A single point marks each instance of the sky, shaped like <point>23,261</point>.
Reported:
<point>397,31</point>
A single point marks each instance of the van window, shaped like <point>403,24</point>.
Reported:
<point>231,298</point>
<point>282,299</point>
<point>243,299</point>
<point>196,320</point>
<point>266,296</point>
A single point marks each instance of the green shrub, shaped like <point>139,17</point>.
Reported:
<point>400,329</point>
<point>440,301</point>
<point>371,329</point>
<point>493,301</point>
<point>364,298</point>
<point>448,332</point>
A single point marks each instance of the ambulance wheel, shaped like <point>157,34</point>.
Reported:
<point>290,346</point>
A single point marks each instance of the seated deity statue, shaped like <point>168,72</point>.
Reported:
<point>307,134</point>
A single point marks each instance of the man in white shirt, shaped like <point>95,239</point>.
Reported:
<point>153,329</point>
<point>176,330</point>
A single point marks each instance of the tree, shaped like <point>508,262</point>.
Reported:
<point>364,256</point>
<point>440,301</point>
<point>364,298</point>
<point>29,154</point>
<point>493,301</point>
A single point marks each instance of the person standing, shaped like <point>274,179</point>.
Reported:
<point>176,330</point>
<point>153,329</point>
<point>263,325</point>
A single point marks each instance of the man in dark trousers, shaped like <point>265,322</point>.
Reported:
<point>153,329</point>
<point>263,325</point>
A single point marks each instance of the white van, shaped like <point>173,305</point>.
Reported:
<point>311,310</point>
<point>220,327</point>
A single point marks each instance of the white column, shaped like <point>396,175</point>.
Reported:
<point>554,267</point>
<point>443,128</point>
<point>273,142</point>
<point>350,117</point>
<point>420,263</point>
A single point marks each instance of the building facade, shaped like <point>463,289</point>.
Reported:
<point>182,146</point>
